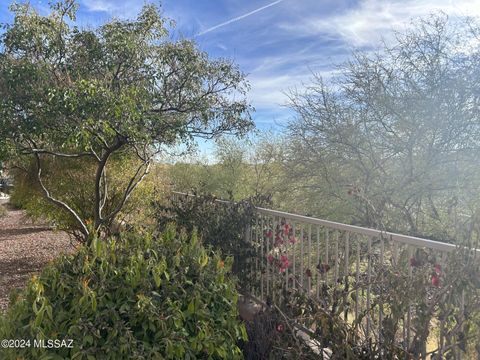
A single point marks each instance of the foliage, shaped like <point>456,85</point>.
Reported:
<point>139,297</point>
<point>73,93</point>
<point>272,336</point>
<point>62,173</point>
<point>392,142</point>
<point>431,295</point>
<point>241,169</point>
<point>221,224</point>
<point>439,291</point>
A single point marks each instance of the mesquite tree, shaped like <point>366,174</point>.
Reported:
<point>394,141</point>
<point>124,87</point>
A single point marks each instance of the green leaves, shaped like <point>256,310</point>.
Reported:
<point>203,259</point>
<point>123,87</point>
<point>139,297</point>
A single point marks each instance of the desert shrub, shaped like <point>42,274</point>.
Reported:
<point>442,296</point>
<point>139,297</point>
<point>72,183</point>
<point>221,224</point>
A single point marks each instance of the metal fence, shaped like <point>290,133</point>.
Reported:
<point>316,257</point>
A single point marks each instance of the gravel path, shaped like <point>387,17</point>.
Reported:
<point>25,248</point>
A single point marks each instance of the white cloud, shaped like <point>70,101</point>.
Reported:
<point>270,90</point>
<point>361,26</point>
<point>122,9</point>
<point>369,21</point>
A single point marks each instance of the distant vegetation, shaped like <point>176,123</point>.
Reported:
<point>392,142</point>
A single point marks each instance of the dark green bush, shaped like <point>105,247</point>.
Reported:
<point>221,224</point>
<point>140,297</point>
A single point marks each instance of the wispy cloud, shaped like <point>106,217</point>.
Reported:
<point>122,9</point>
<point>370,20</point>
<point>238,18</point>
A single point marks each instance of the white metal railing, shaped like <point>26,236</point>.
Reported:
<point>313,256</point>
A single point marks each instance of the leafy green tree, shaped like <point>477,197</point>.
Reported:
<point>124,87</point>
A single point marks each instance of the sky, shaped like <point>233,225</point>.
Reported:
<point>278,44</point>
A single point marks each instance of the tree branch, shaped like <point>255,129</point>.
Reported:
<point>98,220</point>
<point>53,153</point>
<point>57,202</point>
<point>133,183</point>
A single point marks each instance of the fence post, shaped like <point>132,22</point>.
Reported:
<point>248,260</point>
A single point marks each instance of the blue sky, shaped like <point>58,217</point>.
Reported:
<point>278,43</point>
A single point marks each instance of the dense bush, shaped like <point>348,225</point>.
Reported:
<point>61,174</point>
<point>221,224</point>
<point>140,297</point>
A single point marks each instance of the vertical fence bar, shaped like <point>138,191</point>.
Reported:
<point>287,246</point>
<point>249,262</point>
<point>462,319</point>
<point>346,271</point>
<point>319,274</point>
<point>442,320</point>
<point>274,268</point>
<point>309,261</point>
<point>357,277</point>
<point>301,257</point>
<point>337,260</point>
<point>294,243</point>
<point>380,303</point>
<point>256,254</point>
<point>267,240</point>
<point>409,315</point>
<point>369,285</point>
<point>263,257</point>
<point>327,261</point>
<point>254,260</point>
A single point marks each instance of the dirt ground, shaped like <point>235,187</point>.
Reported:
<point>25,248</point>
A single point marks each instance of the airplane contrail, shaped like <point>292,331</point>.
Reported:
<point>238,18</point>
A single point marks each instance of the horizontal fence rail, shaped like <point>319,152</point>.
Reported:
<point>350,270</point>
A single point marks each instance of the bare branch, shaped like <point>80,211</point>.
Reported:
<point>133,183</point>
<point>57,202</point>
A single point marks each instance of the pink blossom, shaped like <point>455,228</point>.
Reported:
<point>284,263</point>
<point>278,240</point>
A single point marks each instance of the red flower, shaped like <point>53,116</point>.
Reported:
<point>284,263</point>
<point>435,280</point>
<point>269,234</point>
<point>438,269</point>
<point>280,328</point>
